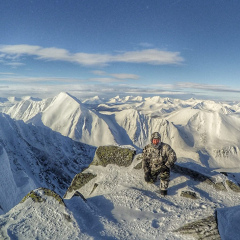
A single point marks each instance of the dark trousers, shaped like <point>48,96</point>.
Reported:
<point>164,174</point>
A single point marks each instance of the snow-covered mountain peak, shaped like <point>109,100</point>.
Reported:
<point>93,100</point>
<point>155,99</point>
<point>213,107</point>
<point>64,96</point>
<point>31,98</point>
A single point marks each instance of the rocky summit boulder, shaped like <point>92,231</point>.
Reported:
<point>100,171</point>
<point>113,155</point>
<point>202,229</point>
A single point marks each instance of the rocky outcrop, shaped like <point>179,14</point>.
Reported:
<point>189,194</point>
<point>104,155</point>
<point>40,194</point>
<point>79,181</point>
<point>113,155</point>
<point>197,176</point>
<point>203,229</point>
<point>233,186</point>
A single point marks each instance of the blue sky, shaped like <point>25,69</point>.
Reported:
<point>174,48</point>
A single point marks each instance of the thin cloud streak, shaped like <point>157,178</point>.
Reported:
<point>125,76</point>
<point>119,76</point>
<point>104,80</point>
<point>41,80</point>
<point>214,88</point>
<point>148,56</point>
<point>6,73</point>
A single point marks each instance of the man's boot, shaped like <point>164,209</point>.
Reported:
<point>163,192</point>
<point>163,187</point>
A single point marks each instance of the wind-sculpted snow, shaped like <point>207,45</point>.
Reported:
<point>34,157</point>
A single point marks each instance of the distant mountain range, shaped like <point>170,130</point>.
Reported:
<point>205,131</point>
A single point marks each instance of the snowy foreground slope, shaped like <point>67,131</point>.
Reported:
<point>123,206</point>
<point>204,134</point>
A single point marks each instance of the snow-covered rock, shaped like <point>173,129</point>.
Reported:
<point>40,215</point>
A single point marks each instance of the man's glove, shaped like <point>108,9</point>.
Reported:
<point>147,177</point>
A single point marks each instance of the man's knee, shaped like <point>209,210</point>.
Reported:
<point>165,176</point>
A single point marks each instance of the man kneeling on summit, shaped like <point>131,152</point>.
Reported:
<point>158,158</point>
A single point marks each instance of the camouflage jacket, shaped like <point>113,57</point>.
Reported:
<point>154,158</point>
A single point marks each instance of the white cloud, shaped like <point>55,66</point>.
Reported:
<point>149,56</point>
<point>208,87</point>
<point>42,80</point>
<point>104,80</point>
<point>116,76</point>
<point>125,76</point>
<point>6,73</point>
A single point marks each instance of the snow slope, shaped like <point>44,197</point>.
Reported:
<point>8,187</point>
<point>123,206</point>
<point>32,157</point>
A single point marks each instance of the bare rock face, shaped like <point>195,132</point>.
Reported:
<point>113,155</point>
<point>104,155</point>
<point>39,195</point>
<point>79,181</point>
<point>233,186</point>
<point>204,229</point>
<point>189,194</point>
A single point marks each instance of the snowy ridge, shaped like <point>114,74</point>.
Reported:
<point>36,157</point>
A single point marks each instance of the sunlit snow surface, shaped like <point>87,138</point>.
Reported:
<point>204,134</point>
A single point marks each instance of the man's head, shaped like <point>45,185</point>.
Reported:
<point>156,139</point>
